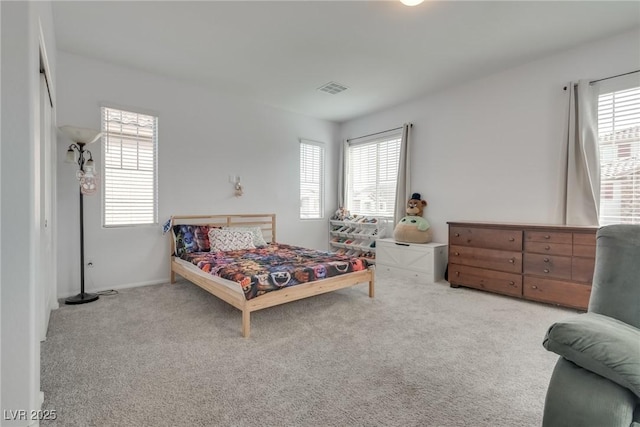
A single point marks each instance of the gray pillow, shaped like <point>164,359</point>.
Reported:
<point>600,344</point>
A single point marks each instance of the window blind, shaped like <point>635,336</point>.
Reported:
<point>619,141</point>
<point>130,176</point>
<point>311,180</point>
<point>372,173</point>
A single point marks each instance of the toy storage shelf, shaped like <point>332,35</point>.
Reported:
<point>356,237</point>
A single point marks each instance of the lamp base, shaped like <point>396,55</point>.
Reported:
<point>81,298</point>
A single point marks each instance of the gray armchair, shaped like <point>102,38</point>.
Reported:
<point>596,381</point>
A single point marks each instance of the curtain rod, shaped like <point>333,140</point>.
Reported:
<point>377,133</point>
<point>611,77</point>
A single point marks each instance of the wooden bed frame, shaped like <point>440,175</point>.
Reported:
<point>267,222</point>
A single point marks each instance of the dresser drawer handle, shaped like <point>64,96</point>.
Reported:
<point>547,247</point>
<point>547,237</point>
<point>456,253</point>
<point>457,273</point>
<point>534,287</point>
<point>546,270</point>
<point>457,234</point>
<point>402,244</point>
<point>512,283</point>
<point>512,239</point>
<point>512,260</point>
<point>546,260</point>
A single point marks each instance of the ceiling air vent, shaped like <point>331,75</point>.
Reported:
<point>332,88</point>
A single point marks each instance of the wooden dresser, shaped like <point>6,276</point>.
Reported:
<point>548,263</point>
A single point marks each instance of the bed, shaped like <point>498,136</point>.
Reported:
<point>288,266</point>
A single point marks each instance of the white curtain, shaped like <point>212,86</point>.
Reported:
<point>403,185</point>
<point>342,174</point>
<point>583,158</point>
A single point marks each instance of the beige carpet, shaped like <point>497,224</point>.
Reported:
<point>416,355</point>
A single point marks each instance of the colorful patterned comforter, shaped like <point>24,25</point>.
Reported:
<point>273,267</point>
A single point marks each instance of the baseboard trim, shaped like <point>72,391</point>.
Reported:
<point>39,407</point>
<point>118,287</point>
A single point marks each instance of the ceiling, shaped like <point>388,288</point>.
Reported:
<point>279,53</point>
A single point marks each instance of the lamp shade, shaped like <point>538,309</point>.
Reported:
<point>71,156</point>
<point>81,135</point>
<point>89,167</point>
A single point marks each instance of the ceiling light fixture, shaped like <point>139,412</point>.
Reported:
<point>411,2</point>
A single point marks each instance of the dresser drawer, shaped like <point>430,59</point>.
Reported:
<point>487,258</point>
<point>548,236</point>
<point>496,281</point>
<point>548,248</point>
<point>582,269</point>
<point>584,245</point>
<point>587,239</point>
<point>510,240</point>
<point>557,292</point>
<point>584,251</point>
<point>553,266</point>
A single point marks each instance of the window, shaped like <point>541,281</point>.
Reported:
<point>371,175</point>
<point>619,140</point>
<point>130,142</point>
<point>311,180</point>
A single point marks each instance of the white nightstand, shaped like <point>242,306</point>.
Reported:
<point>425,262</point>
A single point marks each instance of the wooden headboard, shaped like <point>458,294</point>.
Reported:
<point>267,222</point>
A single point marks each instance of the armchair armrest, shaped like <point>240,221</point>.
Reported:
<point>600,344</point>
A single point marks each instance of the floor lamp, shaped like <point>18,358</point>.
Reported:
<point>86,175</point>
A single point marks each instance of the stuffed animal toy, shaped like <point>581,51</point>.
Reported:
<point>413,228</point>
<point>341,214</point>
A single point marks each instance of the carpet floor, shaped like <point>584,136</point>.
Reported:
<point>415,355</point>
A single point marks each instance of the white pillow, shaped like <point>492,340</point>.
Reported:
<point>258,239</point>
<point>230,240</point>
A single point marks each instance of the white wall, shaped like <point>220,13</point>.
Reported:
<point>203,138</point>
<point>492,149</point>
<point>25,25</point>
<point>1,259</point>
